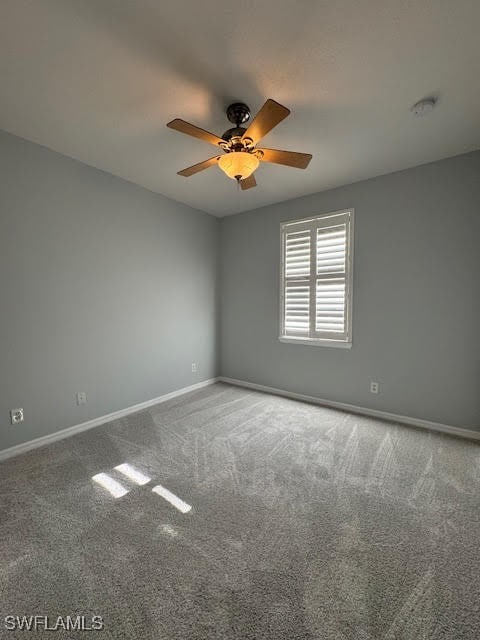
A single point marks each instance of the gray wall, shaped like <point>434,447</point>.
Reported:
<point>111,289</point>
<point>106,288</point>
<point>416,308</point>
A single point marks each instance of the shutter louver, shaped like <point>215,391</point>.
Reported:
<point>330,293</point>
<point>330,312</point>
<point>297,254</point>
<point>298,271</point>
<point>331,249</point>
<point>297,308</point>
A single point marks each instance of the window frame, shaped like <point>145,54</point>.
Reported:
<point>320,339</point>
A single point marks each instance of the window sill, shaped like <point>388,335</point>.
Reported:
<point>313,342</point>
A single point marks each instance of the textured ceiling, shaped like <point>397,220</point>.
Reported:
<point>98,80</point>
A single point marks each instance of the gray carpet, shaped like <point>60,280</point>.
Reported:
<point>305,523</point>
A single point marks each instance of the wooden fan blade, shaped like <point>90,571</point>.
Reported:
<point>248,183</point>
<point>271,114</point>
<point>288,158</point>
<point>196,132</point>
<point>195,168</point>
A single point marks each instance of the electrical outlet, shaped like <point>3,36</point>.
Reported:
<point>81,398</point>
<point>373,387</point>
<point>194,367</point>
<point>16,416</point>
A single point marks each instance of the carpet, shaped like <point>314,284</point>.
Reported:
<point>229,513</point>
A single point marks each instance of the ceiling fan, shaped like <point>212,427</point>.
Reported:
<point>241,156</point>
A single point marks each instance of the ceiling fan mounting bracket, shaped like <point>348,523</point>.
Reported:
<point>238,113</point>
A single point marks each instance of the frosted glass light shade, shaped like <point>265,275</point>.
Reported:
<point>238,164</point>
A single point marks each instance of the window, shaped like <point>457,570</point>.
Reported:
<point>316,280</point>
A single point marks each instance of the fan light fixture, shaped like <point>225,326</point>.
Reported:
<point>238,165</point>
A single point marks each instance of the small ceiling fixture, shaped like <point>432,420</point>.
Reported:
<point>422,107</point>
<point>241,157</point>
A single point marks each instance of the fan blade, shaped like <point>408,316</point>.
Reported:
<point>195,168</point>
<point>248,183</point>
<point>196,132</point>
<point>271,114</point>
<point>288,158</point>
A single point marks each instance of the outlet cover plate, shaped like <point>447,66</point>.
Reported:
<point>81,398</point>
<point>16,416</point>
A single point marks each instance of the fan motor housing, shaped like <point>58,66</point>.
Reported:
<point>233,133</point>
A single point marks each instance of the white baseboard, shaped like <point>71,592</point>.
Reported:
<point>95,422</point>
<point>374,413</point>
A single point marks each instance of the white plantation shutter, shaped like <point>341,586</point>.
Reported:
<point>297,290</point>
<point>297,257</point>
<point>317,279</point>
<point>297,307</point>
<point>331,249</point>
<point>330,306</point>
